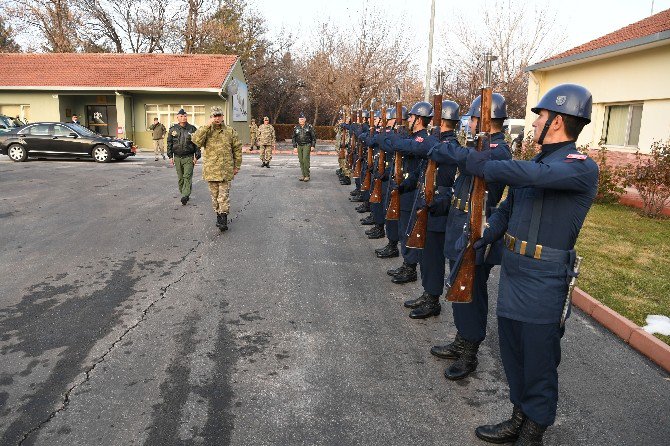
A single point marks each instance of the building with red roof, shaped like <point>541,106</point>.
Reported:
<point>627,73</point>
<point>120,94</point>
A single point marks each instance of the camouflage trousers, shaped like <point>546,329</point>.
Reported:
<point>254,142</point>
<point>266,154</point>
<point>220,192</point>
<point>159,147</point>
<point>343,165</point>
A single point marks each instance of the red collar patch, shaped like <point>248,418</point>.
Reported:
<point>418,139</point>
<point>576,156</point>
<point>493,146</point>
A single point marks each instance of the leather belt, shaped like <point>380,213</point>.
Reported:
<point>540,253</point>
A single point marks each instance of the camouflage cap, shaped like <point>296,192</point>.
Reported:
<point>216,110</point>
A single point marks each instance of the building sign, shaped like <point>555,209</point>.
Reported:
<point>237,91</point>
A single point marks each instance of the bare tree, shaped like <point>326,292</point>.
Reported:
<point>518,32</point>
<point>54,20</point>
<point>7,42</point>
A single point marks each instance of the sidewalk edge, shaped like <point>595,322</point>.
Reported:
<point>645,343</point>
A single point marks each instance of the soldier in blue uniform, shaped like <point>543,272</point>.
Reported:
<point>470,319</point>
<point>539,221</point>
<point>432,263</point>
<point>419,117</point>
<point>362,196</point>
<point>377,216</point>
<point>392,234</point>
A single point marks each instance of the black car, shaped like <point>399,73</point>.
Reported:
<point>59,139</point>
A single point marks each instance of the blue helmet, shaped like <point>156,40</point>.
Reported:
<point>423,109</point>
<point>378,114</point>
<point>498,107</point>
<point>450,111</point>
<point>567,99</point>
<point>366,113</point>
<point>390,113</point>
<point>405,115</point>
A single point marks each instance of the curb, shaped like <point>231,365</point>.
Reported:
<point>645,343</point>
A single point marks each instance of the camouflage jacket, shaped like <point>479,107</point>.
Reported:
<point>266,135</point>
<point>253,130</point>
<point>221,151</point>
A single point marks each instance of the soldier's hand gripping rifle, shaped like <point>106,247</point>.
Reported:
<point>393,211</point>
<point>462,278</point>
<point>367,182</point>
<point>417,238</point>
<point>376,196</point>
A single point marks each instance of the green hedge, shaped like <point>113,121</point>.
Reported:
<point>285,131</point>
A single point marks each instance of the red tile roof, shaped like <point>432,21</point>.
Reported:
<point>656,23</point>
<point>130,71</point>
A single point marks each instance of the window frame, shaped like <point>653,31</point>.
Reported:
<point>629,120</point>
<point>171,113</point>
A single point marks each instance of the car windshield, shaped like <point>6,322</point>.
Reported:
<point>82,130</point>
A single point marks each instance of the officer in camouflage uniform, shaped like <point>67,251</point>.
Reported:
<point>267,140</point>
<point>222,158</point>
<point>183,153</point>
<point>340,145</point>
<point>253,134</point>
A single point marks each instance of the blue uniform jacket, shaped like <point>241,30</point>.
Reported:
<point>535,290</point>
<point>454,154</point>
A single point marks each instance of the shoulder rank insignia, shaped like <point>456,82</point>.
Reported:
<point>576,156</point>
<point>418,139</point>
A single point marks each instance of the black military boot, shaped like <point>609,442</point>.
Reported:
<point>388,251</point>
<point>415,303</point>
<point>223,223</point>
<point>355,192</point>
<point>363,207</point>
<point>505,432</point>
<point>449,351</point>
<point>358,198</point>
<point>345,181</point>
<point>184,200</point>
<point>396,271</point>
<point>465,364</point>
<point>339,172</point>
<point>366,221</point>
<point>407,275</point>
<point>376,232</point>
<point>531,434</point>
<point>431,307</point>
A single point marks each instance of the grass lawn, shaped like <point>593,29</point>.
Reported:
<point>626,262</point>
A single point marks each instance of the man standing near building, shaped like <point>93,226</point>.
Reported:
<point>183,153</point>
<point>267,140</point>
<point>75,120</point>
<point>253,134</point>
<point>157,134</point>
<point>304,139</point>
<point>222,158</point>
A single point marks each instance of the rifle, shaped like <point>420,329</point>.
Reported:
<point>350,155</point>
<point>393,212</point>
<point>342,139</point>
<point>376,196</point>
<point>417,238</point>
<point>462,279</point>
<point>368,172</point>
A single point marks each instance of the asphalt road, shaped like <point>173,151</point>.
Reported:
<point>127,319</point>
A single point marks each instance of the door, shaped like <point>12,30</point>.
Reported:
<point>62,141</point>
<point>38,137</point>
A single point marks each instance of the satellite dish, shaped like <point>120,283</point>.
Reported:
<point>232,87</point>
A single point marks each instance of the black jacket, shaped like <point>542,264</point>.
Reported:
<point>179,141</point>
<point>304,136</point>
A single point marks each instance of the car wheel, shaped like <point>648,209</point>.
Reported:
<point>101,154</point>
<point>17,153</point>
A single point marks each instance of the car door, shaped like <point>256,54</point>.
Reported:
<point>64,140</point>
<point>37,137</point>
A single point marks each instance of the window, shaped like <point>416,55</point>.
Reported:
<point>61,130</point>
<point>622,125</point>
<point>39,130</point>
<point>167,114</point>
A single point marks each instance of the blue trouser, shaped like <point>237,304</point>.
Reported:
<point>432,263</point>
<point>357,182</point>
<point>530,354</point>
<point>411,256</point>
<point>377,210</point>
<point>392,231</point>
<point>470,319</point>
<point>366,194</point>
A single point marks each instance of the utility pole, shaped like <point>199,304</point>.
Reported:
<point>426,93</point>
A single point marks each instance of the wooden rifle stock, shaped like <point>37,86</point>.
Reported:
<point>417,238</point>
<point>367,183</point>
<point>376,196</point>
<point>393,212</point>
<point>359,161</point>
<point>462,288</point>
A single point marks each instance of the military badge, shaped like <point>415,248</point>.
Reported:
<point>560,100</point>
<point>174,133</point>
<point>418,139</point>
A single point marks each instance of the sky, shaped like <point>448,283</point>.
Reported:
<point>583,20</point>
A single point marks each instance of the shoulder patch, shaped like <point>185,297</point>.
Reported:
<point>493,146</point>
<point>418,139</point>
<point>576,156</point>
